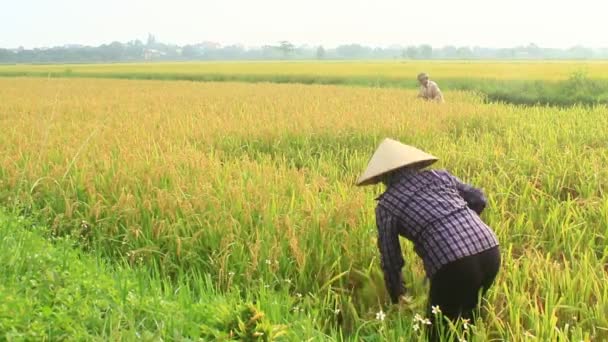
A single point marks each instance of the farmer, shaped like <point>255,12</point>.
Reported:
<point>429,89</point>
<point>440,215</point>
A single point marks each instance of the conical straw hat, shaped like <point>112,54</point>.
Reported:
<point>392,155</point>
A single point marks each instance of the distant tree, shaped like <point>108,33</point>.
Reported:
<point>6,56</point>
<point>151,40</point>
<point>464,52</point>
<point>580,52</point>
<point>353,51</point>
<point>270,52</point>
<point>450,52</point>
<point>533,50</point>
<point>321,52</point>
<point>112,52</point>
<point>134,49</point>
<point>505,53</point>
<point>152,49</point>
<point>411,52</point>
<point>426,51</point>
<point>191,52</point>
<point>286,48</point>
<point>231,52</point>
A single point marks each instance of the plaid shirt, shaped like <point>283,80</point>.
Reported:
<point>438,213</point>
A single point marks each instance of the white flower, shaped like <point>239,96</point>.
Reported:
<point>417,318</point>
<point>288,281</point>
<point>465,324</point>
<point>380,315</point>
<point>427,322</point>
<point>268,262</point>
<point>337,311</point>
<point>462,340</point>
<point>299,295</point>
<point>416,327</point>
<point>231,274</point>
<point>436,310</point>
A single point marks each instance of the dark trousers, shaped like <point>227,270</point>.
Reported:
<point>457,286</point>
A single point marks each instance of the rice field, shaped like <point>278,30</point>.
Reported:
<point>249,190</point>
<point>396,70</point>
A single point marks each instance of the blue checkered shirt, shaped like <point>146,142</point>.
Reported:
<point>438,213</point>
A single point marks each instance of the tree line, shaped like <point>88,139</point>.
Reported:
<point>153,50</point>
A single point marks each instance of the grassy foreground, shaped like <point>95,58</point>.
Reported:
<point>242,193</point>
<point>545,82</point>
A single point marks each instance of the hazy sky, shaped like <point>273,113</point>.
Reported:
<point>489,23</point>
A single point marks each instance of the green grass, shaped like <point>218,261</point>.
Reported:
<point>51,290</point>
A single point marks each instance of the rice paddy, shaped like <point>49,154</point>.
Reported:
<point>500,70</point>
<point>206,196</point>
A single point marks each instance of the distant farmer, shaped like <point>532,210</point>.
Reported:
<point>440,215</point>
<point>429,89</point>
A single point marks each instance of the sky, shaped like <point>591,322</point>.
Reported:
<point>486,23</point>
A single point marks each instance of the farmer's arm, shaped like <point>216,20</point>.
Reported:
<point>475,198</point>
<point>390,253</point>
<point>421,93</point>
<point>436,93</point>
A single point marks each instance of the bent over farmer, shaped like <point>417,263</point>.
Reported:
<point>429,90</point>
<point>440,215</point>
